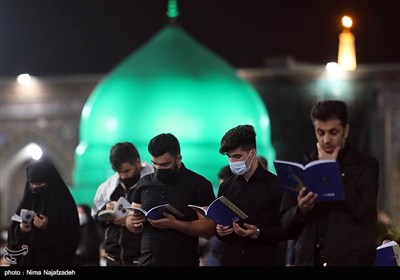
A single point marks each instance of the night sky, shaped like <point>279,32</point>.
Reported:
<point>58,37</point>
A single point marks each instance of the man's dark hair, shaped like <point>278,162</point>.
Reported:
<point>121,153</point>
<point>242,136</point>
<point>330,109</point>
<point>164,143</point>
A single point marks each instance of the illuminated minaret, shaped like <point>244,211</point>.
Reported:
<point>172,11</point>
<point>347,49</point>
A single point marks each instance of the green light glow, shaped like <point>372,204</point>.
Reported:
<point>172,11</point>
<point>172,84</point>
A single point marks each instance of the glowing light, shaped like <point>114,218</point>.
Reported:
<point>34,151</point>
<point>333,67</point>
<point>347,49</point>
<point>264,123</point>
<point>347,21</point>
<point>112,124</point>
<point>86,111</point>
<point>334,71</point>
<point>24,79</point>
<point>172,9</point>
<point>80,150</point>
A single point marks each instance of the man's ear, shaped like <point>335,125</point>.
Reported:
<point>346,131</point>
<point>179,161</point>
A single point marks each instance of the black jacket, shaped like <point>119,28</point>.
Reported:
<point>346,230</point>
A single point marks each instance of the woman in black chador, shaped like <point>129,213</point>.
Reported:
<point>53,235</point>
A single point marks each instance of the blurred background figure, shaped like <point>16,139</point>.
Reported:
<point>214,247</point>
<point>3,245</point>
<point>263,161</point>
<point>224,173</point>
<point>386,230</point>
<point>91,237</point>
<point>285,253</point>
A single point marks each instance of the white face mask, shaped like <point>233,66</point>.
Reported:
<point>82,219</point>
<point>240,167</point>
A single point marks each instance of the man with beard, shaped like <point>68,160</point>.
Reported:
<point>171,241</point>
<point>121,246</point>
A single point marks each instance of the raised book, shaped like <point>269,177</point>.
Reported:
<point>388,254</point>
<point>322,177</point>
<point>157,212</point>
<point>119,210</point>
<point>222,211</point>
<point>25,216</point>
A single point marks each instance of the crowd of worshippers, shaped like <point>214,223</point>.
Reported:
<point>280,229</point>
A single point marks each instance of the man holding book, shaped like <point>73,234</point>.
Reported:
<point>257,192</point>
<point>335,233</point>
<point>122,247</point>
<point>171,240</point>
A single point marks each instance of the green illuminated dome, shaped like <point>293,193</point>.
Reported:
<point>171,84</point>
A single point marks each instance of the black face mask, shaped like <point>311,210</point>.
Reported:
<point>39,190</point>
<point>166,175</point>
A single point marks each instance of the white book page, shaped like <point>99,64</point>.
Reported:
<point>388,244</point>
<point>27,215</point>
<point>16,218</point>
<point>121,206</point>
<point>136,209</point>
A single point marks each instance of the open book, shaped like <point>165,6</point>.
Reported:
<point>119,210</point>
<point>388,254</point>
<point>25,216</point>
<point>157,212</point>
<point>320,176</point>
<point>222,211</point>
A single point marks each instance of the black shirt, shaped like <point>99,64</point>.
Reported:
<point>260,199</point>
<point>167,247</point>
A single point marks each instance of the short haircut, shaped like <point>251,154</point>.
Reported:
<point>121,153</point>
<point>330,109</point>
<point>164,143</point>
<point>242,136</point>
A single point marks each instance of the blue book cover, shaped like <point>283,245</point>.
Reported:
<point>320,176</point>
<point>222,211</point>
<point>388,254</point>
